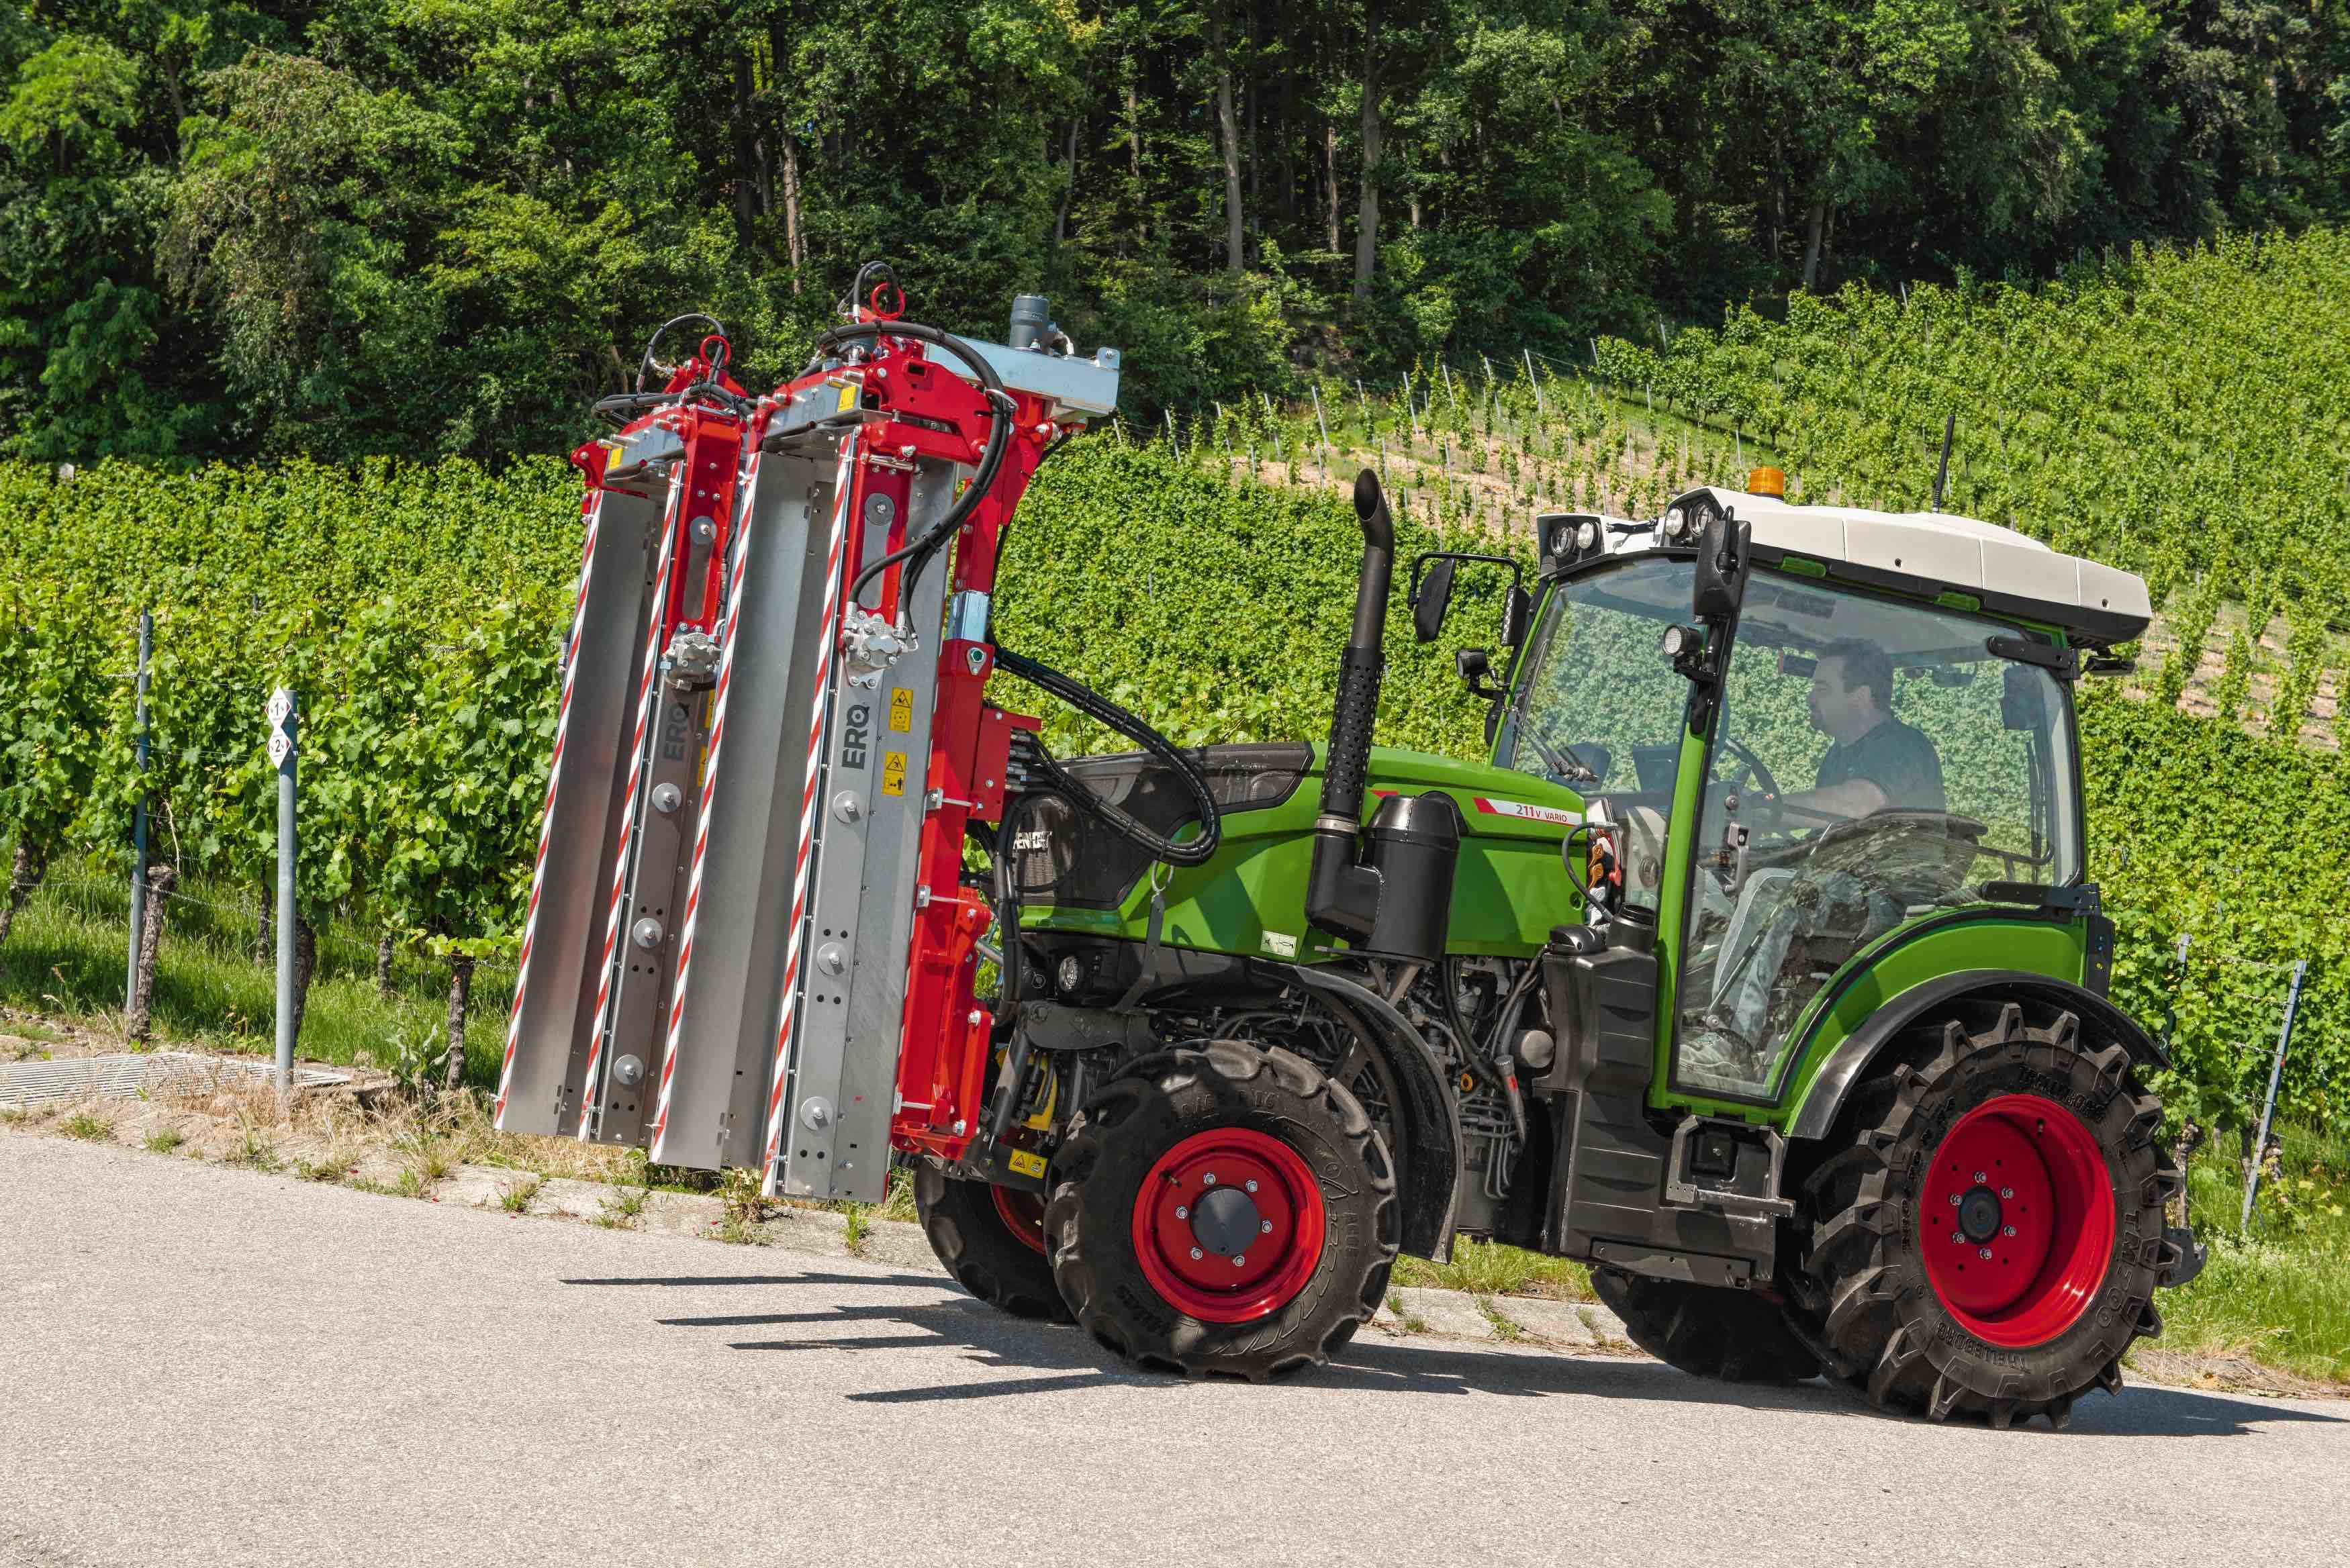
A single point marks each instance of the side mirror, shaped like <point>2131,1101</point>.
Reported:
<point>1517,614</point>
<point>1432,599</point>
<point>1721,582</point>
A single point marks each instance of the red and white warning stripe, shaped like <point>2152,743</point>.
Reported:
<point>648,683</point>
<point>592,511</point>
<point>741,544</point>
<point>803,869</point>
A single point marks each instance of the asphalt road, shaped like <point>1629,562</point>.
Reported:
<point>201,1365</point>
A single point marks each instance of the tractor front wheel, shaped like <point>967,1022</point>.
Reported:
<point>1987,1240</point>
<point>1226,1210</point>
<point>992,1240</point>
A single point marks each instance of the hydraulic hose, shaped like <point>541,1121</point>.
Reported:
<point>999,436</point>
<point>1102,711</point>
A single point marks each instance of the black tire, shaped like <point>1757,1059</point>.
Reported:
<point>973,1238</point>
<point>1870,1303</point>
<point>1155,1108</point>
<point>1707,1331</point>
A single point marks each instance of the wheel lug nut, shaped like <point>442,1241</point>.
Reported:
<point>2007,1192</point>
<point>1983,1252</point>
<point>1954,1201</point>
<point>1209,1179</point>
<point>1958,1238</point>
<point>2009,1231</point>
<point>1196,1254</point>
<point>1250,1185</point>
<point>1264,1227</point>
<point>1182,1211</point>
<point>1240,1260</point>
<point>1980,1178</point>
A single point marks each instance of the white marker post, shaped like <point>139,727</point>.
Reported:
<point>281,756</point>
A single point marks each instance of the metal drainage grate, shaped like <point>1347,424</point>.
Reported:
<point>25,1085</point>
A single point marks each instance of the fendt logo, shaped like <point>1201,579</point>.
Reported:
<point>854,735</point>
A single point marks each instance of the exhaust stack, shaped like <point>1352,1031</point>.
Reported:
<point>1342,894</point>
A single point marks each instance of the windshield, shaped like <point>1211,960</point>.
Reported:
<point>1874,763</point>
<point>1601,709</point>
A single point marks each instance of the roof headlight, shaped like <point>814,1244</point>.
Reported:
<point>1676,522</point>
<point>1586,535</point>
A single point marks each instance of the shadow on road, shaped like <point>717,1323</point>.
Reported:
<point>1060,1358</point>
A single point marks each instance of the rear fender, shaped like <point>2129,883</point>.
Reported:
<point>1848,1064</point>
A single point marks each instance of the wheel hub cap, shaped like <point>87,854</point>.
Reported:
<point>2017,1220</point>
<point>1224,1221</point>
<point>1229,1225</point>
<point>1979,1214</point>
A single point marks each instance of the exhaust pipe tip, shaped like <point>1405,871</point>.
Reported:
<point>1371,511</point>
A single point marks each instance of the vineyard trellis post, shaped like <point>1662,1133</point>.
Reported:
<point>1533,381</point>
<point>2268,1107</point>
<point>1324,424</point>
<point>282,725</point>
<point>140,744</point>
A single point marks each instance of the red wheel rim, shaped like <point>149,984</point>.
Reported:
<point>1022,1214</point>
<point>1229,1225</point>
<point>2016,1224</point>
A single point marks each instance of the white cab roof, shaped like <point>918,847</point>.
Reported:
<point>2012,571</point>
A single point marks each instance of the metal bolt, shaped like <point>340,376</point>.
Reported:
<point>1182,1212</point>
<point>2007,1192</point>
<point>1209,1179</point>
<point>1264,1227</point>
<point>1195,1252</point>
<point>1240,1260</point>
<point>1250,1185</point>
<point>1983,1252</point>
<point>1954,1201</point>
<point>1958,1238</point>
<point>2010,1231</point>
<point>1980,1178</point>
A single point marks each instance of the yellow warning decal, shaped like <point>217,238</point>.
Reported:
<point>1025,1161</point>
<point>893,773</point>
<point>848,391</point>
<point>902,709</point>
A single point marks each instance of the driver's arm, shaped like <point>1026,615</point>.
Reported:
<point>1852,798</point>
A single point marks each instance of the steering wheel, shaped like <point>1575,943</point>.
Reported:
<point>1757,772</point>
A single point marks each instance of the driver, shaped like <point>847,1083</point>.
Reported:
<point>1874,763</point>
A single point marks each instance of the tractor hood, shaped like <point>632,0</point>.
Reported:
<point>1075,875</point>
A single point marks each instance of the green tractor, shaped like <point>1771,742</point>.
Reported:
<point>1755,968</point>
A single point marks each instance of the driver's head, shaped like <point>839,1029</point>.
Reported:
<point>1852,689</point>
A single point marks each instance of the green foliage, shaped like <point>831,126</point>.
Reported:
<point>2174,412</point>
<point>352,229</point>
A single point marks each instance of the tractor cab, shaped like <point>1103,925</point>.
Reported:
<point>1816,734</point>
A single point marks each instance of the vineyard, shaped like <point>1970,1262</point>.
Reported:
<point>417,609</point>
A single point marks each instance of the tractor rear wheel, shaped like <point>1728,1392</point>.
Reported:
<point>992,1240</point>
<point>1986,1240</point>
<point>1222,1209</point>
<point>1706,1330</point>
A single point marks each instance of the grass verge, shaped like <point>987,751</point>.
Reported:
<point>2278,1295</point>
